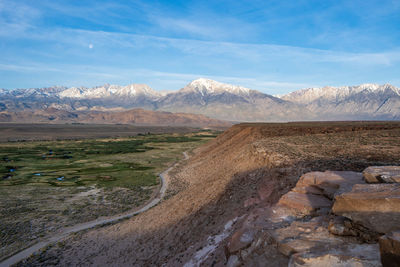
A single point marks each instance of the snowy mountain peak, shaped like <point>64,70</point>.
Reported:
<point>370,86</point>
<point>208,86</point>
<point>133,90</point>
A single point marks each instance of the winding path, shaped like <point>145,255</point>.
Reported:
<point>84,226</point>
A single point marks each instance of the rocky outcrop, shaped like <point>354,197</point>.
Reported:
<point>302,227</point>
<point>315,191</point>
<point>375,206</point>
<point>382,174</point>
<point>330,182</point>
<point>389,246</point>
<point>302,236</point>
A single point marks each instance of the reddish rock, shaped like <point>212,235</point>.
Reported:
<point>241,239</point>
<point>265,191</point>
<point>375,206</point>
<point>382,174</point>
<point>308,190</point>
<point>389,246</point>
<point>304,203</point>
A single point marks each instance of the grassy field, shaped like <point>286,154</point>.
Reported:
<point>47,185</point>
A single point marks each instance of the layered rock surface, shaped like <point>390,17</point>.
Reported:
<point>382,174</point>
<point>376,206</point>
<point>315,190</point>
<point>329,219</point>
<point>351,255</point>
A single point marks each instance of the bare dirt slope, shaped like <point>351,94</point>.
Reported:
<point>249,166</point>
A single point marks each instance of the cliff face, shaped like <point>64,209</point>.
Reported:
<point>221,188</point>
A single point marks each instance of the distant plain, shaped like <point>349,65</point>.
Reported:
<point>45,131</point>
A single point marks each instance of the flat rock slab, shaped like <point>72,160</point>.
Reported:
<point>382,174</point>
<point>375,206</point>
<point>349,255</point>
<point>389,246</point>
<point>304,236</point>
<point>331,182</point>
<point>304,203</point>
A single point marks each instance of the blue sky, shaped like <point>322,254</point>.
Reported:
<point>272,46</point>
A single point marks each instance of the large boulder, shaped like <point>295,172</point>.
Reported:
<point>375,206</point>
<point>389,246</point>
<point>382,174</point>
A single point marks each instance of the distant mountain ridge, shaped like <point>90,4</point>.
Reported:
<point>217,100</point>
<point>362,102</point>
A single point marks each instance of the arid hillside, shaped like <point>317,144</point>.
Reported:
<point>136,116</point>
<point>211,194</point>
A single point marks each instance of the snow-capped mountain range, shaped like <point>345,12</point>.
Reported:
<point>362,102</point>
<point>218,100</point>
<point>105,91</point>
<point>206,87</point>
<point>328,93</point>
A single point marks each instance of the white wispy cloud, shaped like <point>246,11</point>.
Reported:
<point>248,51</point>
<point>161,80</point>
<point>28,68</point>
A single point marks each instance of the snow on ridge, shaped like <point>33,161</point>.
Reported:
<point>108,90</point>
<point>208,86</point>
<point>334,93</point>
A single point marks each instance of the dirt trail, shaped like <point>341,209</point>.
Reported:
<point>84,226</point>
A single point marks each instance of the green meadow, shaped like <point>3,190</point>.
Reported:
<point>105,162</point>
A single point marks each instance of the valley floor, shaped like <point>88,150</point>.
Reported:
<point>47,187</point>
